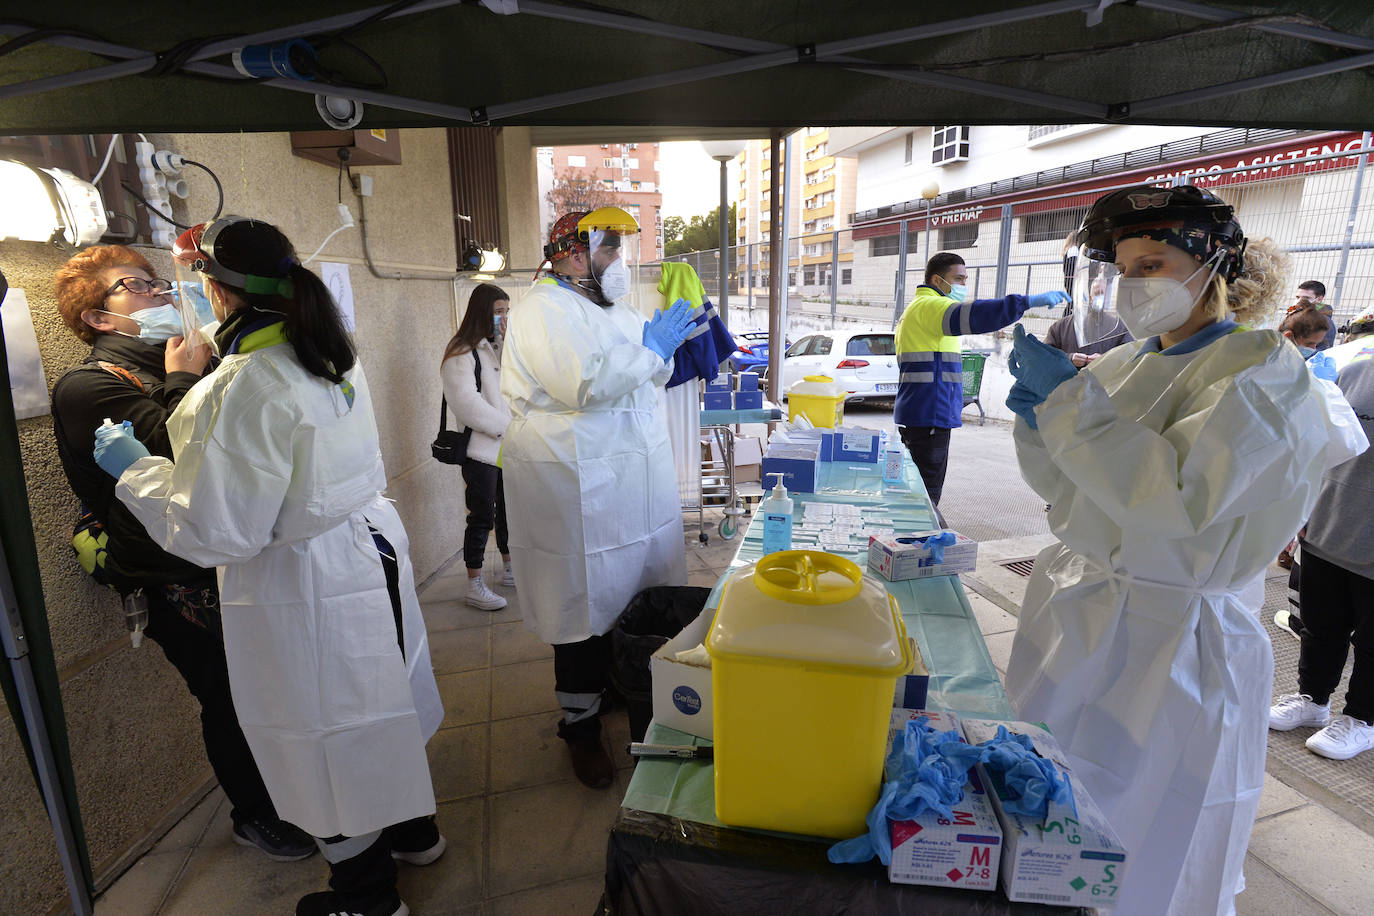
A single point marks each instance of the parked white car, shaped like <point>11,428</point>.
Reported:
<point>864,362</point>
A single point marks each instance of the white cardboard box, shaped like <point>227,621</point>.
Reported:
<point>682,692</point>
<point>963,851</point>
<point>897,556</point>
<point>1069,859</point>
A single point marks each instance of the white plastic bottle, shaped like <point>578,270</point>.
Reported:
<point>777,518</point>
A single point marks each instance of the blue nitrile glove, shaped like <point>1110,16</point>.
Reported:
<point>1322,366</point>
<point>116,448</point>
<point>1032,780</point>
<point>666,331</point>
<point>1022,402</point>
<point>1038,366</point>
<point>1048,300</point>
<point>935,543</point>
<point>926,771</point>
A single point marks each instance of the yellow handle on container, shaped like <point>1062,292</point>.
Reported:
<point>795,576</point>
<point>818,378</point>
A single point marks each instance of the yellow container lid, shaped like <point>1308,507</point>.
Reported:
<point>812,607</point>
<point>817,386</point>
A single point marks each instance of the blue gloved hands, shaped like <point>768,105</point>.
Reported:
<point>1322,366</point>
<point>1022,402</point>
<point>116,447</point>
<point>1048,300</point>
<point>1038,366</point>
<point>666,331</point>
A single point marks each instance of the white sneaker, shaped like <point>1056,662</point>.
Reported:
<point>1284,621</point>
<point>1342,739</point>
<point>1297,709</point>
<point>482,597</point>
<point>507,577</point>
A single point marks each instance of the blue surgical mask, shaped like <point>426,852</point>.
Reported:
<point>1307,351</point>
<point>155,324</point>
<point>957,292</point>
<point>496,323</point>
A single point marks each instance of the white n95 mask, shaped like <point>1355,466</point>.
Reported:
<point>1150,306</point>
<point>614,280</point>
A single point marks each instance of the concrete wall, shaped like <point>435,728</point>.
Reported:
<point>133,726</point>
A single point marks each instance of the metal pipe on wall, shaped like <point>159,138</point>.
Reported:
<point>777,334</point>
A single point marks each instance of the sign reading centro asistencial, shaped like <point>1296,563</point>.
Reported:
<point>1268,164</point>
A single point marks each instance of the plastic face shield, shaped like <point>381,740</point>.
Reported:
<point>615,264</point>
<point>1094,300</point>
<point>191,293</point>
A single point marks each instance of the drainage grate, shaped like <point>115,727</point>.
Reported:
<point>1021,567</point>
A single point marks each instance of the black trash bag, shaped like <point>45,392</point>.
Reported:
<point>652,617</point>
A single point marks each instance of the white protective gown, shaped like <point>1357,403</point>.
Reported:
<point>276,483</point>
<point>591,490</point>
<point>1174,481</point>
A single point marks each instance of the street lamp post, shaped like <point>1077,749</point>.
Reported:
<point>723,151</point>
<point>928,194</point>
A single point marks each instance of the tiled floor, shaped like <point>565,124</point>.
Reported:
<point>524,836</point>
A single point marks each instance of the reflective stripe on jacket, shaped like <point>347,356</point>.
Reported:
<point>931,370</point>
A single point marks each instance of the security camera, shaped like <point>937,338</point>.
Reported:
<point>339,113</point>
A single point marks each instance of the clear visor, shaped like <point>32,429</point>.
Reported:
<point>1093,294</point>
<point>191,292</point>
<point>615,264</point>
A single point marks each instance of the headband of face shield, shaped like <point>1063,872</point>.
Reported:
<point>193,255</point>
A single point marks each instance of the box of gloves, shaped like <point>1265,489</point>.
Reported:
<point>796,460</point>
<point>721,382</point>
<point>749,400</point>
<point>1071,857</point>
<point>748,381</point>
<point>849,443</point>
<point>681,679</point>
<point>921,554</point>
<point>717,400</point>
<point>960,851</point>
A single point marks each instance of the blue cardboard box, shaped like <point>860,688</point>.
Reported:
<point>748,381</point>
<point>718,400</point>
<point>748,400</point>
<point>796,462</point>
<point>720,383</point>
<point>851,444</point>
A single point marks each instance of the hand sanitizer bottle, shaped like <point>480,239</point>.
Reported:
<point>777,518</point>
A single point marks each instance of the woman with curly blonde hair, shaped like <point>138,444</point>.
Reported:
<point>1176,466</point>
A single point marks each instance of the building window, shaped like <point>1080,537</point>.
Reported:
<point>1044,130</point>
<point>633,162</point>
<point>846,276</point>
<point>577,160</point>
<point>634,186</point>
<point>948,144</point>
<point>809,276</point>
<point>1052,226</point>
<point>883,246</point>
<point>965,236</point>
<point>910,145</point>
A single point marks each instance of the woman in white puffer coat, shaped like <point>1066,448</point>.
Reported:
<point>471,372</point>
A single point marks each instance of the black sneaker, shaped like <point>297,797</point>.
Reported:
<point>333,903</point>
<point>416,842</point>
<point>279,841</point>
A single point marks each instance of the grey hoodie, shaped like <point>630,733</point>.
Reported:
<point>1341,529</point>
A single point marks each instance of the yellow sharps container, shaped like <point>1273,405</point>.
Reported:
<point>805,653</point>
<point>819,398</point>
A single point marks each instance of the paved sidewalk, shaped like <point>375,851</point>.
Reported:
<point>526,838</point>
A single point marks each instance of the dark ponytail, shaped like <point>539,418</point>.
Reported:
<point>313,324</point>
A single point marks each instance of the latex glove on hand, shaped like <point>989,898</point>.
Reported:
<point>1022,402</point>
<point>666,331</point>
<point>116,447</point>
<point>1049,300</point>
<point>1038,366</point>
<point>1322,366</point>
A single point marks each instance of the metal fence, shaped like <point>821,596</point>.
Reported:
<point>1319,208</point>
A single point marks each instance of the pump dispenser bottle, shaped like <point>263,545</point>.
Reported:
<point>777,518</point>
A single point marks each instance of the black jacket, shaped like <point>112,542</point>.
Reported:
<point>81,400</point>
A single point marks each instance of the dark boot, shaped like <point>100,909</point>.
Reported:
<point>364,885</point>
<point>590,761</point>
<point>416,841</point>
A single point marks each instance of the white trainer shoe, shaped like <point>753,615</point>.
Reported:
<point>1344,738</point>
<point>482,597</point>
<point>507,577</point>
<point>1297,709</point>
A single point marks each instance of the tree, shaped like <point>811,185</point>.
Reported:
<point>702,233</point>
<point>574,189</point>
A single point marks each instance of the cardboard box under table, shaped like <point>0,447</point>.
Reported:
<point>667,852</point>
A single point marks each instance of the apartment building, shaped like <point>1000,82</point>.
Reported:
<point>629,171</point>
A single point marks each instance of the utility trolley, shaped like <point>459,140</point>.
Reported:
<point>718,484</point>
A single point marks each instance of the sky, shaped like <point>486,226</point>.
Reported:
<point>690,179</point>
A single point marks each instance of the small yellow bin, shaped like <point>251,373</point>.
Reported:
<point>805,653</point>
<point>819,399</point>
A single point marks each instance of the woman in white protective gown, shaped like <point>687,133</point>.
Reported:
<point>1176,466</point>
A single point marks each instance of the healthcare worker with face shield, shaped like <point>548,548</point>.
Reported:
<point>277,482</point>
<point>1176,465</point>
<point>591,489</point>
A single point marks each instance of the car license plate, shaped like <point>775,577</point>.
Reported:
<point>886,389</point>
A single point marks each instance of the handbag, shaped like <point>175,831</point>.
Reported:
<point>451,446</point>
